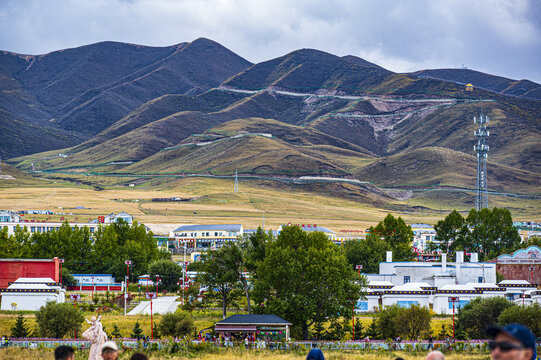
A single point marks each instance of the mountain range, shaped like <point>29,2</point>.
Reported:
<point>197,107</point>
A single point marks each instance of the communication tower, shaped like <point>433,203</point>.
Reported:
<point>481,134</point>
<point>236,189</point>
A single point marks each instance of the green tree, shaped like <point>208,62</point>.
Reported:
<point>305,278</point>
<point>116,332</point>
<point>372,331</point>
<point>255,245</point>
<point>444,332</point>
<point>221,285</point>
<point>55,320</point>
<point>155,332</point>
<point>67,278</point>
<point>492,233</point>
<point>137,331</point>
<point>414,322</point>
<point>529,316</point>
<point>318,330</point>
<point>14,246</point>
<point>449,232</point>
<point>474,317</point>
<point>359,329</point>
<point>396,233</point>
<point>387,321</point>
<point>368,253</point>
<point>169,272</point>
<point>176,324</point>
<point>231,259</point>
<point>20,330</point>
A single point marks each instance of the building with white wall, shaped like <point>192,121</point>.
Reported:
<point>435,274</point>
<point>407,295</point>
<point>462,294</point>
<point>205,237</point>
<point>31,294</point>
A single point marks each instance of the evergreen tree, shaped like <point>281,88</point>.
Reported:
<point>116,332</point>
<point>20,330</point>
<point>444,333</point>
<point>137,331</point>
<point>156,333</point>
<point>372,331</point>
<point>359,329</point>
<point>318,330</point>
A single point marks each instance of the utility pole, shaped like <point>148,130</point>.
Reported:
<point>481,148</point>
<point>236,189</point>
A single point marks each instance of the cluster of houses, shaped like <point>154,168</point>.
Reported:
<point>432,281</point>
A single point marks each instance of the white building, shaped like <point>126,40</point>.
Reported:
<point>207,236</point>
<point>436,274</point>
<point>31,294</point>
<point>422,235</point>
<point>515,289</point>
<point>407,295</point>
<point>462,294</point>
<point>311,228</point>
<point>9,216</point>
<point>114,218</point>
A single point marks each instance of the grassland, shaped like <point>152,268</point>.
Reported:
<point>20,354</point>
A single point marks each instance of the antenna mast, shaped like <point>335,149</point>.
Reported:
<point>236,189</point>
<point>481,134</point>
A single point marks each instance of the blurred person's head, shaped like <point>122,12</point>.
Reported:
<point>512,342</point>
<point>109,351</point>
<point>64,352</point>
<point>138,356</point>
<point>435,355</point>
<point>315,354</point>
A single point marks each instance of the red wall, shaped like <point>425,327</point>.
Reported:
<point>12,269</point>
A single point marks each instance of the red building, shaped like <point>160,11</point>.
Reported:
<point>523,264</point>
<point>12,269</point>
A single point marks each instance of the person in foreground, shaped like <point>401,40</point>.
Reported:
<point>64,352</point>
<point>315,354</point>
<point>435,355</point>
<point>511,342</point>
<point>109,351</point>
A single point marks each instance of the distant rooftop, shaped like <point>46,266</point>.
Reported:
<point>222,227</point>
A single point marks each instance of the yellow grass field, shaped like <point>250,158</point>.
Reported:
<point>20,354</point>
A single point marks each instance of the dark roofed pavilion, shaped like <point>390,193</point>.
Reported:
<point>255,324</point>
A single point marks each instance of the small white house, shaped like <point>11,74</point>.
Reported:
<point>489,289</point>
<point>31,294</point>
<point>407,295</point>
<point>516,288</point>
<point>462,294</point>
<point>371,302</point>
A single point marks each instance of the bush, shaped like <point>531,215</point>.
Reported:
<point>57,320</point>
<point>529,316</point>
<point>176,324</point>
<point>408,323</point>
<point>479,314</point>
<point>19,330</point>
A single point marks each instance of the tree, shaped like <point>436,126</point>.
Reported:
<point>372,331</point>
<point>116,332</point>
<point>387,322</point>
<point>368,253</point>
<point>55,320</point>
<point>169,272</point>
<point>529,316</point>
<point>414,322</point>
<point>359,330</point>
<point>221,285</point>
<point>176,324</point>
<point>137,331</point>
<point>474,317</point>
<point>305,278</point>
<point>230,259</point>
<point>492,233</point>
<point>20,330</point>
<point>449,232</point>
<point>254,246</point>
<point>396,233</point>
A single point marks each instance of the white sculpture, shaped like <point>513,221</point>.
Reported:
<point>96,336</point>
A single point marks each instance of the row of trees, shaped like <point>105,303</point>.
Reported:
<point>103,252</point>
<point>487,232</point>
<point>301,276</point>
<point>57,320</point>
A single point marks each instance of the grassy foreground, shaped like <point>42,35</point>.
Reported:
<point>237,354</point>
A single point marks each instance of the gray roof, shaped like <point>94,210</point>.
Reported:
<point>317,228</point>
<point>253,320</point>
<point>223,227</point>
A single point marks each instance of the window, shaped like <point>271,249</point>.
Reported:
<point>406,279</point>
<point>208,233</point>
<point>406,304</point>
<point>480,279</point>
<point>215,233</point>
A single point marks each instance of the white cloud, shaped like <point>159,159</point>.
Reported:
<point>500,37</point>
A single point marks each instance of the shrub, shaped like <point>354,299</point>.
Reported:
<point>57,320</point>
<point>529,316</point>
<point>479,314</point>
<point>19,330</point>
<point>176,324</point>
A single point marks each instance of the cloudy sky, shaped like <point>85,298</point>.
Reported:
<point>501,37</point>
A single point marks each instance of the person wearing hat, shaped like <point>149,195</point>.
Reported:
<point>511,342</point>
<point>109,351</point>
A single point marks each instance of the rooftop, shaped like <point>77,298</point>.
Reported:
<point>222,227</point>
<point>253,320</point>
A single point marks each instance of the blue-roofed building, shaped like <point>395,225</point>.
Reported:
<point>205,237</point>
